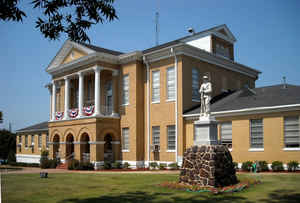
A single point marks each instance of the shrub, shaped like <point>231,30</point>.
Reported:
<point>236,165</point>
<point>24,164</point>
<point>263,166</point>
<point>116,165</point>
<point>277,166</point>
<point>44,162</point>
<point>107,165</point>
<point>173,166</point>
<point>153,165</point>
<point>246,166</point>
<point>86,166</point>
<point>162,166</point>
<point>126,165</point>
<point>292,166</point>
<point>73,164</point>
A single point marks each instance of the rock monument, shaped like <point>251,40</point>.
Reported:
<point>207,163</point>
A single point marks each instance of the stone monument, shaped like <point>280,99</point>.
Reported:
<point>207,163</point>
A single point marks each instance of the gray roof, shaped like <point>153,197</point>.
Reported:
<point>268,96</point>
<point>100,49</point>
<point>35,128</point>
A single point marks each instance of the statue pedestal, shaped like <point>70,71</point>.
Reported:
<point>205,131</point>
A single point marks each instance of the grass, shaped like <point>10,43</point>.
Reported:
<point>116,188</point>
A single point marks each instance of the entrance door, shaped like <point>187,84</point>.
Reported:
<point>108,151</point>
<point>69,147</point>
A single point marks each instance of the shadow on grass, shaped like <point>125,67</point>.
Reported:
<point>145,197</point>
<point>283,196</point>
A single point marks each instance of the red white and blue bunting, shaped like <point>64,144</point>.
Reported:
<point>88,111</point>
<point>73,113</point>
<point>59,115</point>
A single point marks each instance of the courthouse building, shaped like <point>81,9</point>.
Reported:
<point>139,107</point>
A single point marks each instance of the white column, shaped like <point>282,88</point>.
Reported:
<point>114,92</point>
<point>97,91</point>
<point>53,100</point>
<point>67,97</point>
<point>81,94</point>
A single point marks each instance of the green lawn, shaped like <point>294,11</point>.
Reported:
<point>115,188</point>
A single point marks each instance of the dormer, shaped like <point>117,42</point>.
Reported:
<point>218,40</point>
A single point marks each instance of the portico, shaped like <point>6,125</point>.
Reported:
<point>83,96</point>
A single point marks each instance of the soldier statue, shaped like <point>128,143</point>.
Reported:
<point>205,94</point>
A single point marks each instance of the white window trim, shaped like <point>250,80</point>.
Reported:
<point>124,104</point>
<point>155,102</point>
<point>170,100</point>
<point>125,150</point>
<point>196,100</point>
<point>291,149</point>
<point>171,150</point>
<point>256,149</point>
<point>122,95</point>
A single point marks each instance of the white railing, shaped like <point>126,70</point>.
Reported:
<point>86,157</point>
<point>106,110</point>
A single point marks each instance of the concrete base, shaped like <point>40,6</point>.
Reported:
<point>205,131</point>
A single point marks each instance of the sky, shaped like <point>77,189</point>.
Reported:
<point>267,33</point>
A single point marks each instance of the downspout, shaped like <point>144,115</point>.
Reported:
<point>148,107</point>
<point>176,106</point>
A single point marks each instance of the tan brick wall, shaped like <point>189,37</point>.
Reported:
<point>28,150</point>
<point>273,138</point>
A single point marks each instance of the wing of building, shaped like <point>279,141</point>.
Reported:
<point>107,105</point>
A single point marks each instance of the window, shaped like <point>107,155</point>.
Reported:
<point>221,50</point>
<point>125,96</point>
<point>195,84</point>
<point>256,133</point>
<point>20,139</point>
<point>155,135</point>
<point>108,97</point>
<point>47,140</point>
<point>125,138</point>
<point>171,137</point>
<point>26,140</point>
<point>226,134</point>
<point>90,92</point>
<point>171,83</point>
<point>155,86</point>
<point>291,132</point>
<point>40,141</point>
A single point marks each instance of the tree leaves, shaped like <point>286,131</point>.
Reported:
<point>71,17</point>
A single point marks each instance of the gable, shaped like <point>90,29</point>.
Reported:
<point>73,55</point>
<point>64,55</point>
<point>223,32</point>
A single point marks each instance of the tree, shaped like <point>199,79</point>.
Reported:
<point>71,17</point>
<point>1,119</point>
<point>7,145</point>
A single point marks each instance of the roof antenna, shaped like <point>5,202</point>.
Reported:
<point>284,82</point>
<point>191,30</point>
<point>157,25</point>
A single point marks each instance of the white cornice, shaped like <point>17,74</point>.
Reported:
<point>248,111</point>
<point>188,50</point>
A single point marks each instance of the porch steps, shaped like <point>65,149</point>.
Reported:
<point>62,166</point>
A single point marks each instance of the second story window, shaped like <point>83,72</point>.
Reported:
<point>155,86</point>
<point>20,139</point>
<point>256,133</point>
<point>291,132</point>
<point>125,93</point>
<point>171,83</point>
<point>195,85</point>
<point>90,91</point>
<point>226,134</point>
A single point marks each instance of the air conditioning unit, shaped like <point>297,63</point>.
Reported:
<point>155,148</point>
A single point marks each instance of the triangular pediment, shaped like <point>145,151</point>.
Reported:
<point>224,31</point>
<point>70,51</point>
